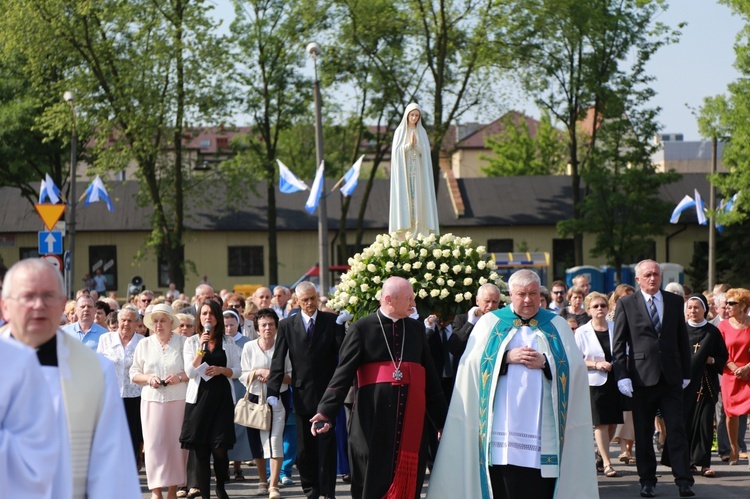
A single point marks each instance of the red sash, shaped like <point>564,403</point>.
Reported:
<point>404,485</point>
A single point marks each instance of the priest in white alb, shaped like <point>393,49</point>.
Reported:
<point>519,422</point>
<point>96,455</point>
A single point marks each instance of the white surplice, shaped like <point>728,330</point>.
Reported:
<point>29,444</point>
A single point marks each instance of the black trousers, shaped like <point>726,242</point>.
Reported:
<point>316,460</point>
<point>516,482</point>
<point>668,399</point>
<point>133,415</point>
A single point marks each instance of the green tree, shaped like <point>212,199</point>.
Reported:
<point>571,54</point>
<point>270,36</point>
<point>623,207</point>
<point>516,152</point>
<point>140,69</point>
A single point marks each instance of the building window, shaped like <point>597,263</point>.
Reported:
<point>245,260</point>
<point>163,272</point>
<point>205,143</point>
<point>500,245</point>
<point>351,250</point>
<point>222,142</point>
<point>563,257</point>
<point>104,258</point>
<point>24,253</point>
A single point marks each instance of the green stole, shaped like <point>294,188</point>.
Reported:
<point>82,383</point>
<point>551,448</point>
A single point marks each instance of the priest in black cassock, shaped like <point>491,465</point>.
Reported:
<point>708,356</point>
<point>398,382</point>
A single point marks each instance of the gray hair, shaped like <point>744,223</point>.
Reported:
<point>720,297</point>
<point>523,278</point>
<point>128,309</point>
<point>32,265</point>
<point>676,288</point>
<point>488,287</point>
<point>304,286</point>
<point>640,264</point>
<point>201,287</point>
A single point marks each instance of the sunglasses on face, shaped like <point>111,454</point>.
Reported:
<point>599,305</point>
<point>558,292</point>
<point>732,303</point>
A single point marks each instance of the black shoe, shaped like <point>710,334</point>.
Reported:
<point>686,491</point>
<point>648,491</point>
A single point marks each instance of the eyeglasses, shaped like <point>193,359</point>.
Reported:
<point>558,292</point>
<point>732,303</point>
<point>30,300</point>
<point>235,305</point>
<point>599,305</point>
<point>146,300</point>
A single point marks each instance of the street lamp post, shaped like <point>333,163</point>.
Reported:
<point>68,96</point>
<point>314,50</point>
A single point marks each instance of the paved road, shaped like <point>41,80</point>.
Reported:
<point>730,482</point>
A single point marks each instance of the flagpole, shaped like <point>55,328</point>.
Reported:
<point>711,226</point>
<point>68,96</point>
<point>314,50</point>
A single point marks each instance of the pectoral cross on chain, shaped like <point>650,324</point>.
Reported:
<point>696,347</point>
<point>700,394</point>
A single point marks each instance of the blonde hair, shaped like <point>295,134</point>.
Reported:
<point>594,295</point>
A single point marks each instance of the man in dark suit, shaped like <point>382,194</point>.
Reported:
<point>651,324</point>
<point>488,300</point>
<point>312,339</point>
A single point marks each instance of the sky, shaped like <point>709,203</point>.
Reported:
<point>698,66</point>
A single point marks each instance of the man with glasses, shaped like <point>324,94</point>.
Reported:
<point>96,452</point>
<point>144,300</point>
<point>86,330</point>
<point>262,298</point>
<point>558,297</point>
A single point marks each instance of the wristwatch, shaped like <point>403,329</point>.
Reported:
<point>179,376</point>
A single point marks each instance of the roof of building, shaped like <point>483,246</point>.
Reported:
<point>496,201</point>
<point>687,150</point>
<point>476,138</point>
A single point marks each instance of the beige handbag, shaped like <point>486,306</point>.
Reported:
<point>252,415</point>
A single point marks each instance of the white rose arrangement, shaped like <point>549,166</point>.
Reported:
<point>445,271</point>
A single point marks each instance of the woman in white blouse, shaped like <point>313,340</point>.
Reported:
<point>594,339</point>
<point>159,368</point>
<point>119,347</point>
<point>256,367</point>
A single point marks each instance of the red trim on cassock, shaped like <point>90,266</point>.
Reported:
<point>404,485</point>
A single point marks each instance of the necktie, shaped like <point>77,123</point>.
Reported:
<point>447,367</point>
<point>310,329</point>
<point>654,315</point>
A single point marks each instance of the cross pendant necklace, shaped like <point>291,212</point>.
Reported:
<point>397,374</point>
<point>696,347</point>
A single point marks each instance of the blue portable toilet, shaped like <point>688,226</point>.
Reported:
<point>595,276</point>
<point>609,278</point>
<point>672,272</point>
<point>628,275</point>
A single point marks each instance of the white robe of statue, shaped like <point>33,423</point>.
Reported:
<point>413,206</point>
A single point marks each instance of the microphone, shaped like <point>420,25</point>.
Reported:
<point>207,328</point>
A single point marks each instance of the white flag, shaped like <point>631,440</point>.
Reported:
<point>700,208</point>
<point>352,177</point>
<point>316,190</point>
<point>288,182</point>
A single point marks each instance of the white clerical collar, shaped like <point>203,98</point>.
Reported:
<point>386,315</point>
<point>237,336</point>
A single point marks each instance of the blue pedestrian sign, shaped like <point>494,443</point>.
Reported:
<point>50,242</point>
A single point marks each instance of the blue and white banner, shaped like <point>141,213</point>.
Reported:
<point>288,182</point>
<point>48,190</point>
<point>688,202</point>
<point>316,189</point>
<point>97,192</point>
<point>352,178</point>
<point>700,208</point>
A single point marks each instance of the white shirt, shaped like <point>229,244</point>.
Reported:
<point>253,357</point>
<point>110,345</point>
<point>658,301</point>
<point>151,359</point>
<point>30,446</point>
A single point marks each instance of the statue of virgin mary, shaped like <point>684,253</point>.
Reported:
<point>413,207</point>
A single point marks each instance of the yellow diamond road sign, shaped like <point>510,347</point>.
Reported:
<point>50,213</point>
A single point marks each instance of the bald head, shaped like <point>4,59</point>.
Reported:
<point>397,298</point>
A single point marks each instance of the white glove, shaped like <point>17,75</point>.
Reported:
<point>472,315</point>
<point>626,387</point>
<point>415,314</point>
<point>273,401</point>
<point>685,382</point>
<point>343,317</point>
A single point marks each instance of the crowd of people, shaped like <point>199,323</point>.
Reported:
<point>544,384</point>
